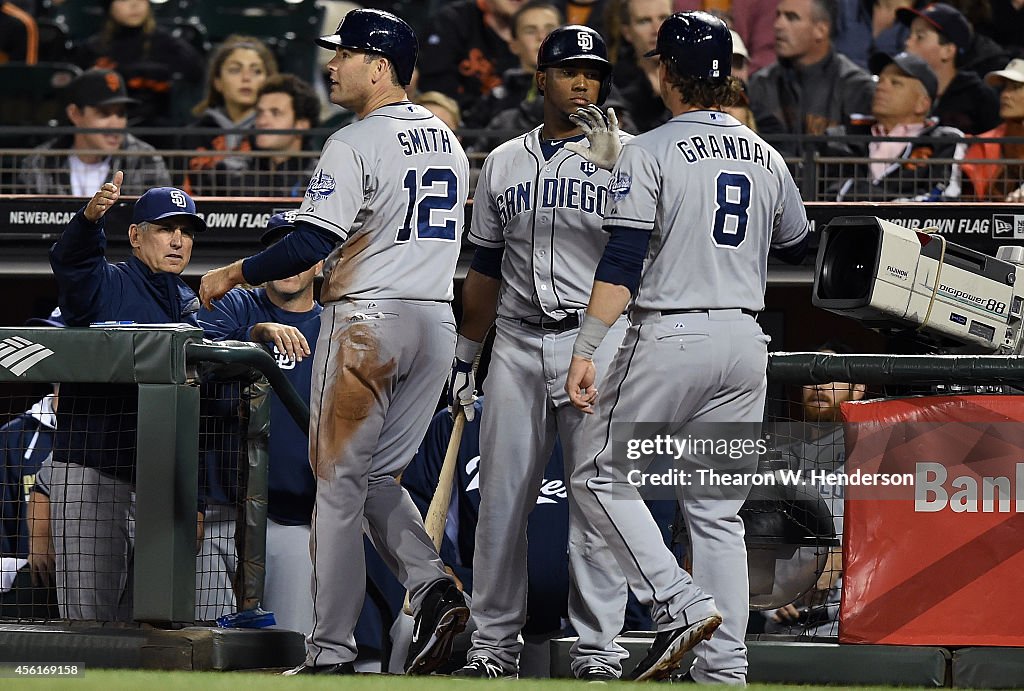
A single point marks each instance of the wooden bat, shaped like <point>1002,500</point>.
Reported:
<point>437,512</point>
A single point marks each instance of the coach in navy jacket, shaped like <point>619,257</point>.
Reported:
<point>94,446</point>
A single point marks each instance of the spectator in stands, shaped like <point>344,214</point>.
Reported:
<point>530,25</point>
<point>285,102</point>
<point>866,27</point>
<point>466,49</point>
<point>900,171</point>
<point>95,99</point>
<point>284,316</point>
<point>151,60</point>
<point>587,12</point>
<point>92,481</point>
<point>442,106</point>
<point>1001,181</point>
<point>822,449</point>
<point>750,19</point>
<point>636,77</point>
<point>810,87</point>
<point>237,70</point>
<point>940,35</point>
<point>1008,25</point>
<point>19,35</point>
<point>982,54</point>
<point>741,70</point>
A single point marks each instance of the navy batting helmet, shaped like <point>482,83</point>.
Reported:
<point>576,43</point>
<point>376,31</point>
<point>697,45</point>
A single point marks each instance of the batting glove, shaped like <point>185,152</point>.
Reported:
<point>602,131</point>
<point>462,384</point>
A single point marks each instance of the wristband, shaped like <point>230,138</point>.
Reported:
<point>592,332</point>
<point>467,350</point>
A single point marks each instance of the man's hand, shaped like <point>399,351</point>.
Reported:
<point>787,614</point>
<point>579,384</point>
<point>287,339</point>
<point>217,282</point>
<point>105,198</point>
<point>602,130</point>
<point>462,389</point>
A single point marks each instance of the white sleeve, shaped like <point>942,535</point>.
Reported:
<point>634,189</point>
<point>791,224</point>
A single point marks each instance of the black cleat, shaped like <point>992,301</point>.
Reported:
<point>443,615</point>
<point>340,668</point>
<point>483,668</point>
<point>668,648</point>
<point>596,674</point>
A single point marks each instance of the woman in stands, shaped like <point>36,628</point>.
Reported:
<point>236,71</point>
<point>157,66</point>
<point>996,181</point>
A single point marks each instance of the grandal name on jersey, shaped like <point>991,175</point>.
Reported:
<point>555,193</point>
<point>424,140</point>
<point>726,147</point>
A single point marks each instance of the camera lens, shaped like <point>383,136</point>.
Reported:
<point>848,265</point>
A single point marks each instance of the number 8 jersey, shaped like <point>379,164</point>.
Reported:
<point>393,188</point>
<point>715,197</point>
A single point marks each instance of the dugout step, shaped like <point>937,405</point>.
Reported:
<point>988,668</point>
<point>794,662</point>
<point>134,647</point>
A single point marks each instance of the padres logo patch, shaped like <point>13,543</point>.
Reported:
<point>320,187</point>
<point>619,186</point>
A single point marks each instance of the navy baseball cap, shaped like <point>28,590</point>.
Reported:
<point>945,19</point>
<point>165,202</point>
<point>911,65</point>
<point>55,319</point>
<point>279,225</point>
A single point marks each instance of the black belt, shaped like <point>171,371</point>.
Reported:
<point>749,313</point>
<point>556,325</point>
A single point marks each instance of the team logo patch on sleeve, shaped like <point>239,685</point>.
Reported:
<point>619,186</point>
<point>320,187</point>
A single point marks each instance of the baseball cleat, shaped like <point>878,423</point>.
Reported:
<point>668,648</point>
<point>597,675</point>
<point>483,668</point>
<point>340,668</point>
<point>443,615</point>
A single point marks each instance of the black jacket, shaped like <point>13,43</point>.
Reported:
<point>914,177</point>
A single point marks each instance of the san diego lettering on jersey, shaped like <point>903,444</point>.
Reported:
<point>556,193</point>
<point>725,147</point>
<point>423,140</point>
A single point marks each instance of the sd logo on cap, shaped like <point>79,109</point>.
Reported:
<point>166,202</point>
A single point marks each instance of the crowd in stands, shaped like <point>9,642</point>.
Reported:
<point>807,66</point>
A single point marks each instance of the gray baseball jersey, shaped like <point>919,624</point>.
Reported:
<point>726,194</point>
<point>547,214</point>
<point>393,187</point>
<point>393,234</point>
<point>544,205</point>
<point>715,197</point>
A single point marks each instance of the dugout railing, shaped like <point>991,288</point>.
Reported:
<point>819,444</point>
<point>170,365</point>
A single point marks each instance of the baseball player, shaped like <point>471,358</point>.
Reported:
<point>390,191</point>
<point>537,224</point>
<point>696,204</point>
<point>284,315</point>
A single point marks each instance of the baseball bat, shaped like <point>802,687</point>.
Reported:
<point>437,512</point>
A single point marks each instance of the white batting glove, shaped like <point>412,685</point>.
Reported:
<point>462,389</point>
<point>602,131</point>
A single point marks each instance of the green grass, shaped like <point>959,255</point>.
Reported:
<point>110,680</point>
